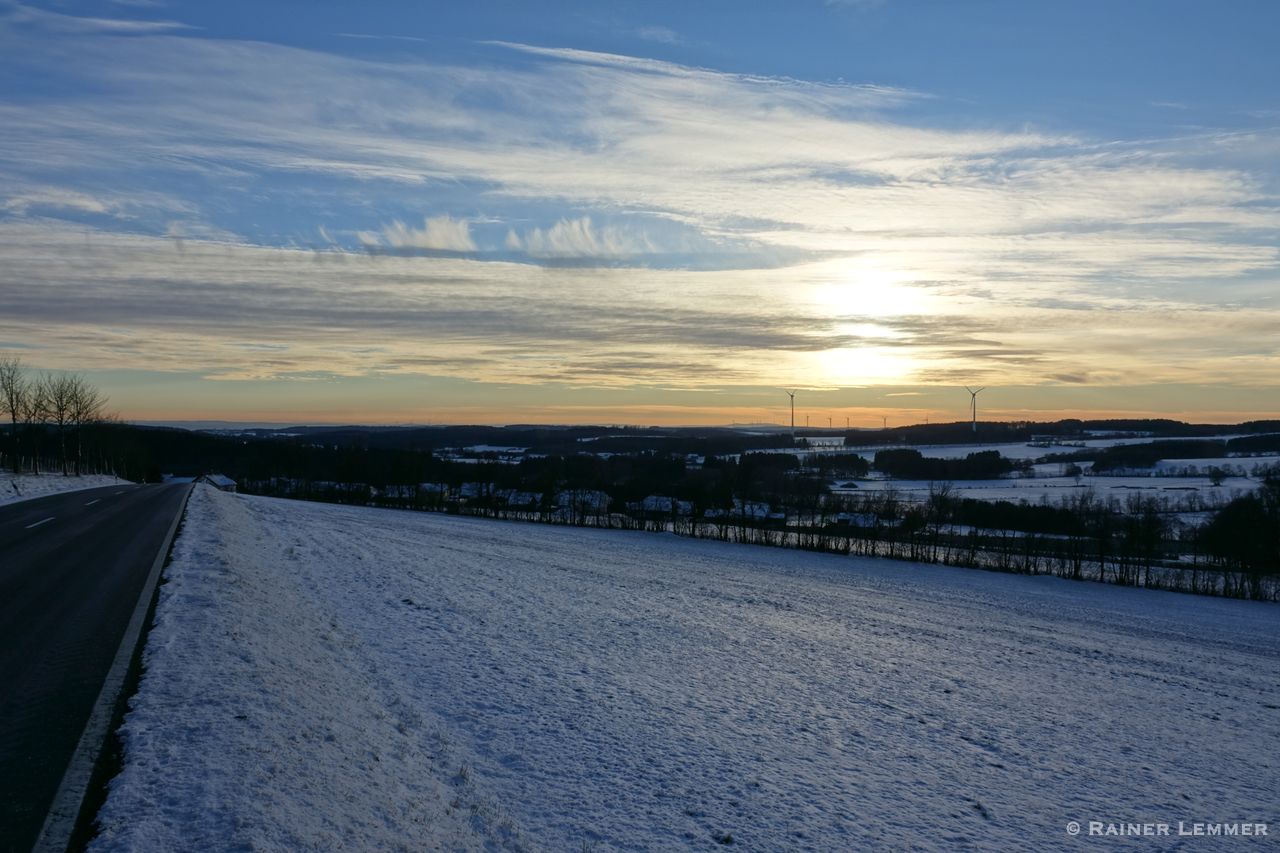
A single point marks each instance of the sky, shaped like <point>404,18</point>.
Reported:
<point>647,212</point>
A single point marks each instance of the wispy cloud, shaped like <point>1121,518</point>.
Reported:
<point>437,234</point>
<point>662,35</point>
<point>772,162</point>
<point>783,165</point>
<point>354,314</point>
<point>22,198</point>
<point>370,36</point>
<point>878,247</point>
<point>57,198</point>
<point>21,14</point>
<point>579,239</point>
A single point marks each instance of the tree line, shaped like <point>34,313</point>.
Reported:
<point>778,499</point>
<point>49,415</point>
<point>1201,542</point>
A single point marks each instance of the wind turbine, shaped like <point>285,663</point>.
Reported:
<point>973,405</point>
<point>792,395</point>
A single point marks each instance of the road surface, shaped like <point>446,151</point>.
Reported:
<point>72,568</point>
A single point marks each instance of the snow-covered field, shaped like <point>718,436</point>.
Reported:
<point>1016,450</point>
<point>325,677</point>
<point>1023,450</point>
<point>1251,465</point>
<point>1035,489</point>
<point>23,487</point>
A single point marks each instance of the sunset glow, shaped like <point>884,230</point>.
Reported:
<point>406,218</point>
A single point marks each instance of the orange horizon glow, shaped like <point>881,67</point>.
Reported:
<point>677,416</point>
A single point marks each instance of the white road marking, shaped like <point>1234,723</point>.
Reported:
<point>42,521</point>
<point>92,502</point>
<point>119,493</point>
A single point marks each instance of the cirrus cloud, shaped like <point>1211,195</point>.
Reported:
<point>769,229</point>
<point>437,234</point>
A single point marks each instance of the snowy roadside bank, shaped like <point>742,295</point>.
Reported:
<point>21,487</point>
<point>261,722</point>
<point>324,676</point>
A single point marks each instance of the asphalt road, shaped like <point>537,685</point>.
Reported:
<point>72,567</point>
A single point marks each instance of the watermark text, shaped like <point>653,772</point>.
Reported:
<point>1182,828</point>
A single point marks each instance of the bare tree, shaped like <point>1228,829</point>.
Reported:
<point>15,388</point>
<point>34,413</point>
<point>59,392</point>
<point>88,406</point>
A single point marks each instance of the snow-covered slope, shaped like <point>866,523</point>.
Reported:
<point>323,676</point>
<point>21,487</point>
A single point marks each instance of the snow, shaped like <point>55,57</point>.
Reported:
<point>1251,465</point>
<point>263,721</point>
<point>222,481</point>
<point>1023,450</point>
<point>1035,489</point>
<point>326,676</point>
<point>1013,450</point>
<point>22,487</point>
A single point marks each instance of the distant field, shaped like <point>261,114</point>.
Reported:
<point>1035,489</point>
<point>324,676</point>
<point>1024,450</point>
<point>1049,482</point>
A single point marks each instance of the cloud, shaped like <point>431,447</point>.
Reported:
<point>437,234</point>
<point>21,197</point>
<point>846,94</point>
<point>369,36</point>
<point>579,239</point>
<point>178,230</point>
<point>56,197</point>
<point>866,245</point>
<point>662,35</point>
<point>772,168</point>
<point>132,302</point>
<point>21,14</point>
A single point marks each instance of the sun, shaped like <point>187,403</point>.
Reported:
<point>864,288</point>
<point>861,297</point>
